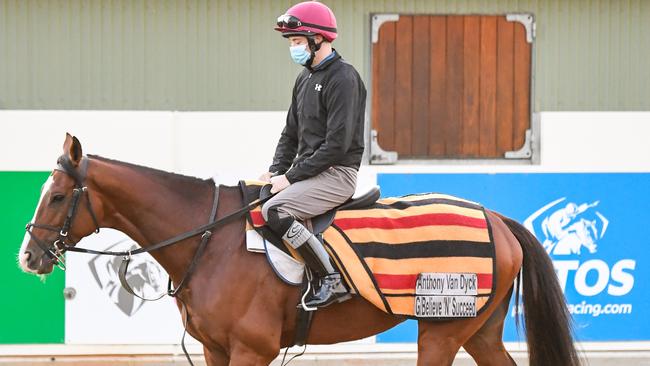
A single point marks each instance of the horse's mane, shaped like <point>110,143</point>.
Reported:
<point>173,180</point>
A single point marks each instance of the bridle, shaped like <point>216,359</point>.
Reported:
<point>56,249</point>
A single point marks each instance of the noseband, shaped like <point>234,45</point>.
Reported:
<point>57,248</point>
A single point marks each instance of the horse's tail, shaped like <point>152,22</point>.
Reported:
<point>547,319</point>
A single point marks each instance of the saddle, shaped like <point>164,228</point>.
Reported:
<point>320,223</point>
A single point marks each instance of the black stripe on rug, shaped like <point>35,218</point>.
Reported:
<point>427,249</point>
<point>401,205</point>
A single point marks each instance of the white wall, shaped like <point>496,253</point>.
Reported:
<point>596,141</point>
<point>227,145</point>
<point>234,145</point>
<point>239,145</point>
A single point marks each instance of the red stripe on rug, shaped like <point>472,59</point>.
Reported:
<point>258,219</point>
<point>410,221</point>
<point>484,280</point>
<point>407,282</point>
<point>395,282</point>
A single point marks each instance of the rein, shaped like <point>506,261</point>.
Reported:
<point>205,229</point>
<point>59,246</point>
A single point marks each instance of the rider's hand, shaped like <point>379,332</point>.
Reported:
<point>279,182</point>
<point>266,177</point>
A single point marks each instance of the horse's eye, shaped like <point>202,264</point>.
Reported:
<point>58,198</point>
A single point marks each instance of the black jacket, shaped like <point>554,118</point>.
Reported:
<point>325,122</point>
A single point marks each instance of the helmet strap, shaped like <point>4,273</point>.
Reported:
<point>313,48</point>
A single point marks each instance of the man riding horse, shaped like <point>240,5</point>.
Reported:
<point>319,153</point>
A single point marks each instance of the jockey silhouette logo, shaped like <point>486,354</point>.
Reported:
<point>564,228</point>
<point>145,276</point>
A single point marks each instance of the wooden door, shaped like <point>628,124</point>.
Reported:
<point>450,86</point>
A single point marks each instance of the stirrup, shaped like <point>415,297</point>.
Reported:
<point>302,304</point>
<point>318,303</point>
<point>332,290</point>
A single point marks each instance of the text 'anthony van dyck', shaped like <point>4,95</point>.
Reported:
<point>446,284</point>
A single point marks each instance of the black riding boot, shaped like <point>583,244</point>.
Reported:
<point>312,251</point>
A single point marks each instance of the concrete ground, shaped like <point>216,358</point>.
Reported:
<point>344,354</point>
<point>595,358</point>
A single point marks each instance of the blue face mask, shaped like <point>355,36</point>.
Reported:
<point>299,54</point>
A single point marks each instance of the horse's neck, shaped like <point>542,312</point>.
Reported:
<point>149,210</point>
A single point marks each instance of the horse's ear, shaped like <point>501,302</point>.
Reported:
<point>72,148</point>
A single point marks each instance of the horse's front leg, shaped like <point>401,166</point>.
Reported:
<point>243,355</point>
<point>215,357</point>
<point>255,339</point>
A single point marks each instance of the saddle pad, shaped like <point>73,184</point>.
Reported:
<point>255,220</point>
<point>415,256</point>
<point>259,237</point>
<point>384,251</point>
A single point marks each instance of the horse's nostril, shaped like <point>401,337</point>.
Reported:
<point>27,255</point>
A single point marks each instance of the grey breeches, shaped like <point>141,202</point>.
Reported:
<point>312,197</point>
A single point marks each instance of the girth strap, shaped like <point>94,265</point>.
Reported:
<point>303,317</point>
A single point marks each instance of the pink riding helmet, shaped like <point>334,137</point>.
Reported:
<point>307,19</point>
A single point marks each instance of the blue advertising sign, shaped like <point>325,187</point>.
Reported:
<point>595,227</point>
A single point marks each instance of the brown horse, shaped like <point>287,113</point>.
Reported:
<point>239,310</point>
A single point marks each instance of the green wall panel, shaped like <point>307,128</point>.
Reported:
<point>32,310</point>
<point>224,54</point>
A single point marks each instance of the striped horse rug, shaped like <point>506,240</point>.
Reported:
<point>424,256</point>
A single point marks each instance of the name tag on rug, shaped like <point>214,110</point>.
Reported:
<point>446,295</point>
<point>445,306</point>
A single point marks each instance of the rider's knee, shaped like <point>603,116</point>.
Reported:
<point>265,211</point>
<point>277,219</point>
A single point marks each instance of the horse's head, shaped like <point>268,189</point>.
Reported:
<point>585,231</point>
<point>590,233</point>
<point>64,213</point>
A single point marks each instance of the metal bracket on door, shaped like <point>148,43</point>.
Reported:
<point>528,20</point>
<point>531,148</point>
<point>377,154</point>
<point>525,152</point>
<point>378,20</point>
